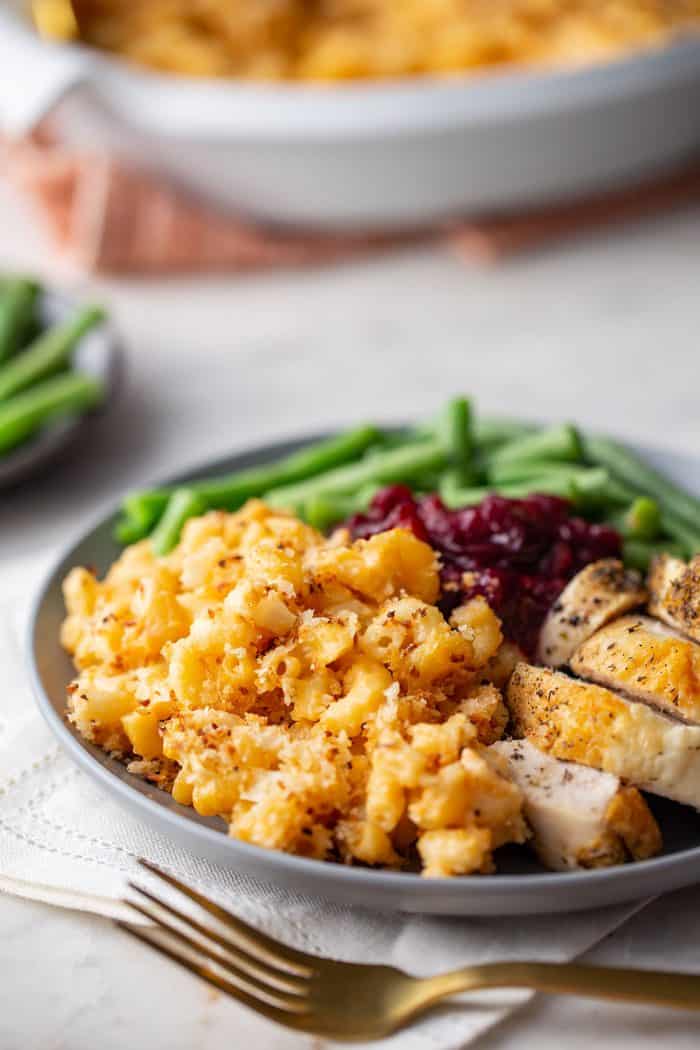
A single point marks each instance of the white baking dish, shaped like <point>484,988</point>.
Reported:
<point>378,154</point>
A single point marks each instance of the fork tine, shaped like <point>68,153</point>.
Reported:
<point>291,1015</point>
<point>237,964</point>
<point>258,944</point>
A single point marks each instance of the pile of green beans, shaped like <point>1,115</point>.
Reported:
<point>458,454</point>
<point>36,381</point>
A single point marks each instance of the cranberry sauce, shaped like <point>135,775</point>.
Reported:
<point>519,554</point>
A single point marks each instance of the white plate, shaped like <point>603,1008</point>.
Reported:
<point>520,888</point>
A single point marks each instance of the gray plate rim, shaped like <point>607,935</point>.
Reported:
<point>180,821</point>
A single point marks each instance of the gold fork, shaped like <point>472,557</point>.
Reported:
<point>349,1001</point>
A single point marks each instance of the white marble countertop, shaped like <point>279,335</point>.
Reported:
<point>605,331</point>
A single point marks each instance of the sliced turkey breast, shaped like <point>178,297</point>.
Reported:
<point>647,661</point>
<point>580,817</point>
<point>674,593</point>
<point>596,595</point>
<point>586,723</point>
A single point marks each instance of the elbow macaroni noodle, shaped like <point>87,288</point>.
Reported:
<point>307,690</point>
<point>331,40</point>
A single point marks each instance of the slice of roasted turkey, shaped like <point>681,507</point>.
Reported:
<point>594,597</point>
<point>579,817</point>
<point>645,660</point>
<point>674,593</point>
<point>587,723</point>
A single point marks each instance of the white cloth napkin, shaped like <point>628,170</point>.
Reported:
<point>63,842</point>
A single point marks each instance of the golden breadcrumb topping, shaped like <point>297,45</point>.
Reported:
<point>307,690</point>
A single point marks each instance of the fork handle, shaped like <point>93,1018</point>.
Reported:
<point>597,982</point>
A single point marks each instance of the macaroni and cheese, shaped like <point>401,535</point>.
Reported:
<point>306,689</point>
<point>353,39</point>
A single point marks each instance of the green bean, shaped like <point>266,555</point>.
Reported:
<point>515,471</point>
<point>17,304</point>
<point>628,468</point>
<point>547,485</point>
<point>678,529</point>
<point>588,487</point>
<point>395,465</point>
<point>184,503</point>
<point>297,469</point>
<point>595,489</point>
<point>451,488</point>
<point>396,438</point>
<point>454,431</point>
<point>585,493</point>
<point>143,513</point>
<point>490,433</point>
<point>140,512</point>
<point>518,473</point>
<point>229,492</point>
<point>126,531</point>
<point>425,430</point>
<point>559,444</point>
<point>23,414</point>
<point>521,473</point>
<point>551,484</point>
<point>47,354</point>
<point>364,496</point>
<point>145,508</point>
<point>322,511</point>
<point>639,553</point>
<point>455,496</point>
<point>428,481</point>
<point>307,463</point>
<point>640,521</point>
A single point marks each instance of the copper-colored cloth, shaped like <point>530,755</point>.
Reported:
<point>106,218</point>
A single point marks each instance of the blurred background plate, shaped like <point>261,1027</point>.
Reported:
<point>99,355</point>
<point>380,154</point>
